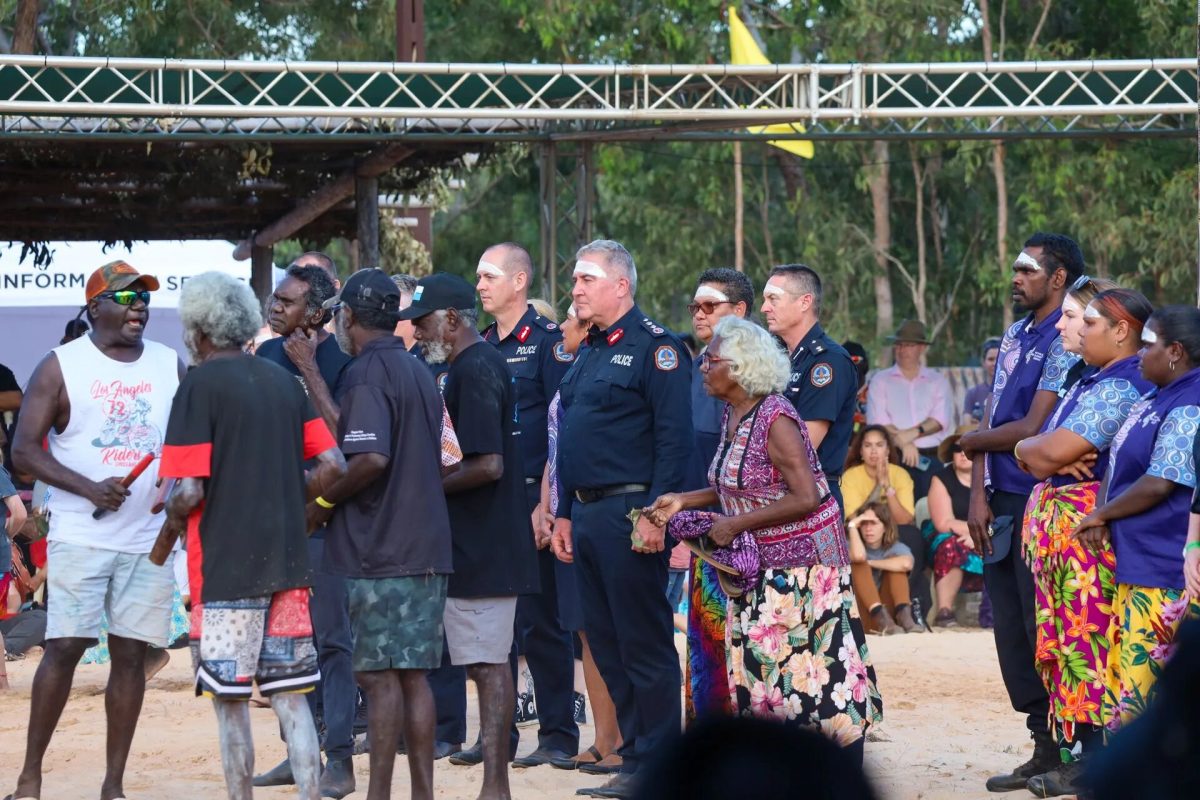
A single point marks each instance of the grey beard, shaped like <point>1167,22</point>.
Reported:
<point>436,352</point>
<point>340,336</point>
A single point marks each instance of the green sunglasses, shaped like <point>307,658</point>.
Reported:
<point>127,297</point>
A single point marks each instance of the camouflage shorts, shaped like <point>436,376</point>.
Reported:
<point>397,622</point>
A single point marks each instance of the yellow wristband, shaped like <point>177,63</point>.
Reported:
<point>323,503</point>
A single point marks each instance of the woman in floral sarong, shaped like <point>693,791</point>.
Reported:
<point>1074,586</point>
<point>795,647</point>
<point>1150,485</point>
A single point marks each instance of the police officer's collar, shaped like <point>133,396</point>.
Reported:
<point>615,332</point>
<point>521,330</point>
<point>810,341</point>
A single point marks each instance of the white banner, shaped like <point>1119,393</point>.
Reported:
<point>62,282</point>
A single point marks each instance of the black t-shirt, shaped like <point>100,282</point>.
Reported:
<point>246,427</point>
<point>397,526</point>
<point>960,496</point>
<point>331,360</point>
<point>494,553</point>
<point>8,381</point>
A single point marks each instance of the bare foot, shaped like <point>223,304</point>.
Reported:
<point>155,660</point>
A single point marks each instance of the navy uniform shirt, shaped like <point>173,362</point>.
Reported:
<point>823,386</point>
<point>537,362</point>
<point>626,411</point>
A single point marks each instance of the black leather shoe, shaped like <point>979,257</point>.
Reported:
<point>1063,779</point>
<point>1044,759</point>
<point>280,775</point>
<point>468,758</point>
<point>543,755</point>
<point>621,785</point>
<point>337,780</point>
<point>443,749</point>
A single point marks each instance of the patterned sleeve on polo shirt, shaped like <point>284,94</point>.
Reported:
<point>1056,366</point>
<point>1173,458</point>
<point>1101,411</point>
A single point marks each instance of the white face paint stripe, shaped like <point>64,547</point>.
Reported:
<point>774,291</point>
<point>1091,312</point>
<point>571,311</point>
<point>1027,260</point>
<point>1072,304</point>
<point>709,293</point>
<point>588,268</point>
<point>488,268</point>
<point>1149,336</point>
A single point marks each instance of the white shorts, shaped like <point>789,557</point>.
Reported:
<point>479,630</point>
<point>84,581</point>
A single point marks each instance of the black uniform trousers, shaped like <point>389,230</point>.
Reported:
<point>628,623</point>
<point>330,611</point>
<point>1010,586</point>
<point>550,652</point>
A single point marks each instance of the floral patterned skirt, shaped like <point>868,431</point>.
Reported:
<point>707,680</point>
<point>1075,588</point>
<point>797,653</point>
<point>1143,629</point>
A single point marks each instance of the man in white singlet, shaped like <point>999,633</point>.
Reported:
<point>102,403</point>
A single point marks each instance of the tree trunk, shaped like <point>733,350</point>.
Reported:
<point>881,208</point>
<point>922,281</point>
<point>998,173</point>
<point>25,27</point>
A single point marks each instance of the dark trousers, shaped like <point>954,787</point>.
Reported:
<point>335,646</point>
<point>918,579</point>
<point>550,653</point>
<point>23,631</point>
<point>1010,587</point>
<point>449,686</point>
<point>628,623</point>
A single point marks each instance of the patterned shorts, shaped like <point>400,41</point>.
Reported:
<point>266,640</point>
<point>397,622</point>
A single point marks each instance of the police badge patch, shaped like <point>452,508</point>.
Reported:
<point>666,359</point>
<point>561,354</point>
<point>821,375</point>
<point>441,381</point>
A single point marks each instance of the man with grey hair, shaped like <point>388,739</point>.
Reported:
<point>240,431</point>
<point>625,438</point>
<point>494,554</point>
<point>532,348</point>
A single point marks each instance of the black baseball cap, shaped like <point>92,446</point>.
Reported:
<point>367,289</point>
<point>438,292</point>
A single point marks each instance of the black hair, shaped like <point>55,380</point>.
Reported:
<point>990,343</point>
<point>862,362</point>
<point>1180,324</point>
<point>375,319</point>
<point>320,288</point>
<point>854,454</point>
<point>1059,252</point>
<point>806,276</point>
<point>736,285</point>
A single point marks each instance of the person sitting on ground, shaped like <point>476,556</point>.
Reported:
<point>879,568</point>
<point>956,565</point>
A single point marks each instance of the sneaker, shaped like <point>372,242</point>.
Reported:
<point>526,713</point>
<point>580,709</point>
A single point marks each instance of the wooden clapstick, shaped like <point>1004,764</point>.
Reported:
<point>128,480</point>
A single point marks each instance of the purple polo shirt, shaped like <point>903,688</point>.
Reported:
<point>1156,439</point>
<point>1019,369</point>
<point>1096,407</point>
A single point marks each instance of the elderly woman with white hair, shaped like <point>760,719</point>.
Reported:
<point>797,652</point>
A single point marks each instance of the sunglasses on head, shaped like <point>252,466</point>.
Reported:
<point>127,297</point>
<point>707,306</point>
<point>1081,282</point>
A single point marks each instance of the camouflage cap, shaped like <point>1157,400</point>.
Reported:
<point>115,276</point>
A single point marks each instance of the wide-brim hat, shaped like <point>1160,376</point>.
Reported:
<point>912,331</point>
<point>703,548</point>
<point>948,443</point>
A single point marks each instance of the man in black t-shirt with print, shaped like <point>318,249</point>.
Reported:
<point>305,349</point>
<point>494,554</point>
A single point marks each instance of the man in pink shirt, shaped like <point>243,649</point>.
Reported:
<point>912,401</point>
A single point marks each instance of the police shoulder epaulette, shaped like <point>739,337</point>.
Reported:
<point>654,328</point>
<point>545,323</point>
<point>818,348</point>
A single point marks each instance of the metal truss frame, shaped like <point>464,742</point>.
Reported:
<point>195,99</point>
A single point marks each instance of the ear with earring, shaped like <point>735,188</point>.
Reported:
<point>1172,364</point>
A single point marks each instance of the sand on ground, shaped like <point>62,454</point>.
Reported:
<point>948,725</point>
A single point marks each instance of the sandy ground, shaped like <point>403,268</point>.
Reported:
<point>947,726</point>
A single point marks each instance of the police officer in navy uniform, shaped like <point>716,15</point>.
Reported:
<point>824,382</point>
<point>533,349</point>
<point>625,436</point>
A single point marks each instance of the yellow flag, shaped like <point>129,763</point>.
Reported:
<point>744,50</point>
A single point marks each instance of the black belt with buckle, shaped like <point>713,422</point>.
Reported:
<point>592,495</point>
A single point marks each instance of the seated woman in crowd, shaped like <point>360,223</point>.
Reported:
<point>1073,586</point>
<point>956,565</point>
<point>797,649</point>
<point>879,568</point>
<point>1148,491</point>
<point>873,472</point>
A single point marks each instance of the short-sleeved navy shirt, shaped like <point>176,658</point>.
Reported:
<point>331,360</point>
<point>823,385</point>
<point>494,552</point>
<point>397,526</point>
<point>537,360</point>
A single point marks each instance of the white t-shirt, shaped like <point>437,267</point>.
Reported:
<point>119,413</point>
